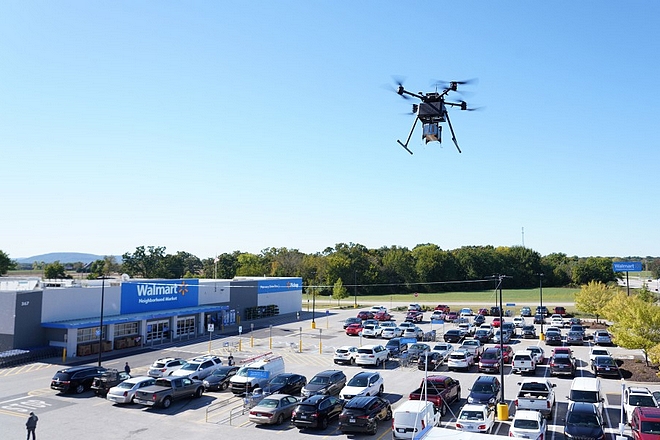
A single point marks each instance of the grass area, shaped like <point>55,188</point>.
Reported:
<point>485,298</point>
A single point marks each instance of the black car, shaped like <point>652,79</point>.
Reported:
<point>583,421</point>
<point>542,310</point>
<point>454,336</point>
<point>353,320</point>
<point>482,335</point>
<point>539,318</point>
<point>605,366</point>
<point>286,383</point>
<point>562,364</point>
<point>478,320</point>
<point>328,382</point>
<point>76,379</point>
<point>529,332</point>
<point>494,311</point>
<point>316,411</point>
<point>361,414</point>
<point>553,338</point>
<point>396,346</point>
<point>219,379</point>
<point>484,391</point>
<point>430,361</point>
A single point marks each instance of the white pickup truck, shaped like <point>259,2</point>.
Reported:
<point>523,362</point>
<point>536,394</point>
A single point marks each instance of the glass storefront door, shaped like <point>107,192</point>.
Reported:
<point>158,331</point>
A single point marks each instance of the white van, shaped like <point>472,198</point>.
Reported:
<point>587,389</point>
<point>412,417</point>
<point>245,381</point>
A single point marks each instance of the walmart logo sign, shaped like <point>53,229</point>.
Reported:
<point>156,295</point>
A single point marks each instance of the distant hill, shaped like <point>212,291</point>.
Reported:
<point>64,257</point>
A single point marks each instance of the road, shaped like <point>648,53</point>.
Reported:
<point>65,417</point>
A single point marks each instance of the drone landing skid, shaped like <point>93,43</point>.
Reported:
<point>405,146</point>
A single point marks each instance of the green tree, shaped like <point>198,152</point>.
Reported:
<point>6,264</point>
<point>433,265</point>
<point>593,298</point>
<point>251,265</point>
<point>557,268</point>
<point>521,264</point>
<point>593,269</point>
<point>145,263</point>
<point>646,295</point>
<point>339,292</point>
<point>55,271</point>
<point>102,267</point>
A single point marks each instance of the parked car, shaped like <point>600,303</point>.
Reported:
<point>108,379</point>
<point>444,349</point>
<point>396,347</point>
<point>416,350</point>
<point>414,316</point>
<point>414,307</point>
<point>526,312</point>
<point>466,311</point>
<point>390,330</point>
<point>583,421</point>
<point>286,383</point>
<point>539,318</point>
<point>375,355</point>
<point>543,310</point>
<point>478,320</point>
<point>485,390</point>
<point>460,360</point>
<point>605,366</point>
<point>519,321</point>
<point>494,311</point>
<point>529,332</point>
<point>497,322</point>
<point>579,329</point>
<point>352,320</point>
<point>219,379</point>
<point>557,320</point>
<point>198,367</point>
<point>346,354</point>
<point>596,351</point>
<point>413,332</point>
<point>528,424</point>
<point>483,312</point>
<point>562,364</point>
<point>560,311</point>
<point>443,308</point>
<point>362,414</point>
<point>501,337</point>
<point>453,335</point>
<point>273,409</point>
<point>382,316</point>
<point>438,389</point>
<point>354,330</point>
<point>602,337</point>
<point>476,418</point>
<point>438,315</point>
<point>645,423</point>
<point>574,338</point>
<point>125,391</point>
<point>165,366</point>
<point>167,389</point>
<point>365,314</point>
<point>538,353</point>
<point>451,316</point>
<point>328,382</point>
<point>636,396</point>
<point>365,383</point>
<point>491,360</point>
<point>372,331</point>
<point>316,411</point>
<point>482,335</point>
<point>553,338</point>
<point>75,379</point>
<point>430,361</point>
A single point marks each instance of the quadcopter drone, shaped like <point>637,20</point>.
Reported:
<point>432,111</point>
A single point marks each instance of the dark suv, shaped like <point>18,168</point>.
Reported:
<point>361,414</point>
<point>583,421</point>
<point>76,379</point>
<point>316,411</point>
<point>326,382</point>
<point>484,391</point>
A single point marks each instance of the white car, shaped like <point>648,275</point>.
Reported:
<point>444,348</point>
<point>466,312</point>
<point>346,355</point>
<point>378,309</point>
<point>460,360</point>
<point>391,332</point>
<point>372,355</point>
<point>637,396</point>
<point>595,351</point>
<point>365,383</point>
<point>438,315</point>
<point>467,328</point>
<point>538,353</point>
<point>405,325</point>
<point>372,331</point>
<point>528,424</point>
<point>476,418</point>
<point>164,367</point>
<point>413,332</point>
<point>198,367</point>
<point>557,320</point>
<point>125,391</point>
<point>519,321</point>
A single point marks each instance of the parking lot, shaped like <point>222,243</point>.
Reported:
<point>63,417</point>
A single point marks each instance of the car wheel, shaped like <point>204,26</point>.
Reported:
<point>352,361</point>
<point>280,419</point>
<point>324,423</point>
<point>198,392</point>
<point>167,402</point>
<point>380,390</point>
<point>224,386</point>
<point>443,409</point>
<point>388,416</point>
<point>80,388</point>
<point>374,428</point>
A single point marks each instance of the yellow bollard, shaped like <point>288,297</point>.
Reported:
<point>270,343</point>
<point>313,325</point>
<point>542,337</point>
<point>502,412</point>
<point>240,344</point>
<point>64,355</point>
<point>251,341</point>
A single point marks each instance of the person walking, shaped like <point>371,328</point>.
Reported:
<point>127,369</point>
<point>230,360</point>
<point>31,425</point>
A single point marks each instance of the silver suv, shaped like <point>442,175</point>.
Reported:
<point>165,367</point>
<point>199,367</point>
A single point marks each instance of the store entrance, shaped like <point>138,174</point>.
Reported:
<point>158,331</point>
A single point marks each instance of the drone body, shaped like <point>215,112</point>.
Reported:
<point>432,112</point>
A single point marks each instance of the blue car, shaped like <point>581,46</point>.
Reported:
<point>484,391</point>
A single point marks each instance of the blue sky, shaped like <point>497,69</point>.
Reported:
<point>210,127</point>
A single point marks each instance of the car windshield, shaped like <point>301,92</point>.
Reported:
<point>605,361</point>
<point>483,388</point>
<point>365,351</point>
<point>489,355</point>
<point>646,401</point>
<point>269,403</point>
<point>278,380</point>
<point>342,350</point>
<point>599,352</point>
<point>581,419</point>
<point>651,427</point>
<point>457,356</point>
<point>441,348</point>
<point>417,347</point>
<point>319,380</point>
<point>126,385</point>
<point>584,396</point>
<point>472,415</point>
<point>190,366</point>
<point>526,424</point>
<point>358,381</point>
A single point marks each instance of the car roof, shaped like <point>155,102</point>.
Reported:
<point>527,414</point>
<point>646,412</point>
<point>639,390</point>
<point>365,374</point>
<point>583,407</point>
<point>327,373</point>
<point>486,379</point>
<point>360,401</point>
<point>313,400</point>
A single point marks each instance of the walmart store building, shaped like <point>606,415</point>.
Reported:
<point>135,312</point>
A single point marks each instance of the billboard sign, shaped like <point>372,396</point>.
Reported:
<point>153,295</point>
<point>627,266</point>
<point>273,286</point>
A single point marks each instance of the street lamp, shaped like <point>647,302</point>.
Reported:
<point>313,309</point>
<point>101,323</point>
<point>355,291</point>
<point>541,275</point>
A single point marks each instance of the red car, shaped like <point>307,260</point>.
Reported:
<point>483,312</point>
<point>562,350</point>
<point>452,316</point>
<point>414,316</point>
<point>443,308</point>
<point>645,423</point>
<point>507,354</point>
<point>383,316</point>
<point>365,314</point>
<point>496,322</point>
<point>354,330</point>
<point>560,311</point>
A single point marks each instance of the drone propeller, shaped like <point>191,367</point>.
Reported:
<point>464,107</point>
<point>453,85</point>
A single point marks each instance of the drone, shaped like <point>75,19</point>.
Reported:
<point>432,111</point>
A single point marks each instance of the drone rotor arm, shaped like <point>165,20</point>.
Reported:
<point>453,135</point>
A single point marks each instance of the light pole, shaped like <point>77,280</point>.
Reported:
<point>541,275</point>
<point>355,291</point>
<point>313,309</point>
<point>101,323</point>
